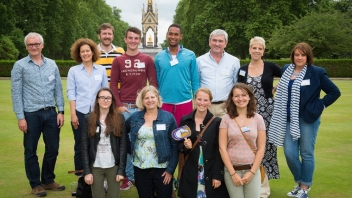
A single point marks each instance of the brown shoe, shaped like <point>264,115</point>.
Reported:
<point>53,186</point>
<point>39,191</point>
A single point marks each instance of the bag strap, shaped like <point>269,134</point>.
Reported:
<point>244,136</point>
<point>75,171</point>
<point>200,135</point>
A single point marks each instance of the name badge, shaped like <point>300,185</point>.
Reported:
<point>225,72</point>
<point>98,77</point>
<point>245,129</point>
<point>305,82</point>
<point>97,131</point>
<point>141,65</point>
<point>51,77</point>
<point>174,62</point>
<point>242,72</point>
<point>160,127</point>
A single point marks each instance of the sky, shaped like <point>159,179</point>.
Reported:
<point>132,13</point>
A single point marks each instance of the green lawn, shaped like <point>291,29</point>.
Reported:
<point>333,153</point>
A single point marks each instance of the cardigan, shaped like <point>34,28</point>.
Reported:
<point>270,71</point>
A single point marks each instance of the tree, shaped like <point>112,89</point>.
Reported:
<point>329,34</point>
<point>8,50</point>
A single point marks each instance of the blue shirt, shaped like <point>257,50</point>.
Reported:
<point>179,82</point>
<point>34,87</point>
<point>218,77</point>
<point>83,87</point>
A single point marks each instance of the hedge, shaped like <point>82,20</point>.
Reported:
<point>338,68</point>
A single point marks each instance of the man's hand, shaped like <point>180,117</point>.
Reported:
<point>60,120</point>
<point>74,121</point>
<point>22,125</point>
<point>123,109</point>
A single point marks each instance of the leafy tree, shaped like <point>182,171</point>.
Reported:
<point>329,34</point>
<point>8,50</point>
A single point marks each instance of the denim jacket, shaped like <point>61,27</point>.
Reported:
<point>166,146</point>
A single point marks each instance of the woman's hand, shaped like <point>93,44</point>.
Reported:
<point>216,183</point>
<point>119,178</point>
<point>247,177</point>
<point>167,177</point>
<point>237,180</point>
<point>187,143</point>
<point>88,179</point>
<point>74,121</point>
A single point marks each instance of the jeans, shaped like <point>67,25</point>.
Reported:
<point>77,134</point>
<point>150,180</point>
<point>302,170</point>
<point>42,121</point>
<point>129,165</point>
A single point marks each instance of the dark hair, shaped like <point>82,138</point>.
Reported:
<point>105,26</point>
<point>306,50</point>
<point>113,121</point>
<point>231,107</point>
<point>175,25</point>
<point>76,47</point>
<point>134,30</point>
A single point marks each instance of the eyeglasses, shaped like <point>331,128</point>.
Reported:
<point>33,45</point>
<point>105,98</point>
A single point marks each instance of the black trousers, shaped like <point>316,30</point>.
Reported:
<point>149,183</point>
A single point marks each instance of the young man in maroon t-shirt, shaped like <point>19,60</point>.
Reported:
<point>133,69</point>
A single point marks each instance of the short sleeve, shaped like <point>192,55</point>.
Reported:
<point>260,122</point>
<point>225,122</point>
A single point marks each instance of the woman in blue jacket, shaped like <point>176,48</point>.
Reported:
<point>296,116</point>
<point>154,151</point>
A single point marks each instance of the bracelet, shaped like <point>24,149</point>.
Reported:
<point>251,172</point>
<point>233,174</point>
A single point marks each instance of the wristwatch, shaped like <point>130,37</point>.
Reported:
<point>62,112</point>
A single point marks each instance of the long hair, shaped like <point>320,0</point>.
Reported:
<point>113,121</point>
<point>231,107</point>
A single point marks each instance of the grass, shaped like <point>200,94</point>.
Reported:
<point>332,176</point>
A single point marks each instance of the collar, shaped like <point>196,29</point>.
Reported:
<point>101,50</point>
<point>208,116</point>
<point>94,66</point>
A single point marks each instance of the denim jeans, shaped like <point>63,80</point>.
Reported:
<point>129,165</point>
<point>77,134</point>
<point>302,170</point>
<point>42,121</point>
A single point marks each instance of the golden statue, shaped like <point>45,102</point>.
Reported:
<point>150,2</point>
<point>150,38</point>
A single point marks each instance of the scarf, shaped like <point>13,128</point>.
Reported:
<point>277,128</point>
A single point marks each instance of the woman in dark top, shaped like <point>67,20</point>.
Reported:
<point>259,75</point>
<point>203,171</point>
<point>296,115</point>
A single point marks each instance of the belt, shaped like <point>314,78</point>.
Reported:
<point>46,108</point>
<point>130,105</point>
<point>218,102</point>
<point>243,167</point>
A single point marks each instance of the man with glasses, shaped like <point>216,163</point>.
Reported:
<point>36,93</point>
<point>134,69</point>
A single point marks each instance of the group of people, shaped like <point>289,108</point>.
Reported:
<point>125,106</point>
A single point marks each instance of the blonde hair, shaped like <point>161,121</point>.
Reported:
<point>205,90</point>
<point>143,92</point>
<point>257,39</point>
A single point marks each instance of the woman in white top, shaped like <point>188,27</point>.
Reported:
<point>242,143</point>
<point>104,146</point>
<point>83,82</point>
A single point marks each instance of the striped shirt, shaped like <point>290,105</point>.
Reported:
<point>106,58</point>
<point>35,87</point>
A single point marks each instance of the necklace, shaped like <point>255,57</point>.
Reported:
<point>295,74</point>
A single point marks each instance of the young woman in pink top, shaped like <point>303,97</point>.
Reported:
<point>242,143</point>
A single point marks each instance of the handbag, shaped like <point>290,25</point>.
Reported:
<point>200,135</point>
<point>261,167</point>
<point>83,189</point>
